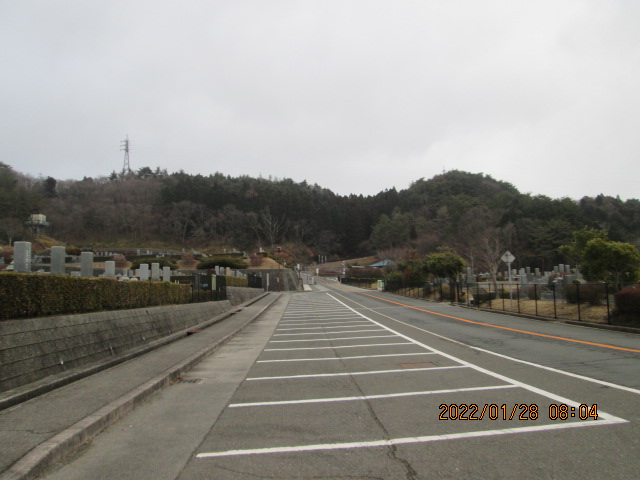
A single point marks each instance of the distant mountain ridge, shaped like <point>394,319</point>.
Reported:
<point>458,209</point>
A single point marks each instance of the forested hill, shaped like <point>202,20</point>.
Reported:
<point>464,211</point>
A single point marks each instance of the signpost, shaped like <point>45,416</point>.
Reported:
<point>508,258</point>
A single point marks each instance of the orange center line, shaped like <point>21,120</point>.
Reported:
<point>603,345</point>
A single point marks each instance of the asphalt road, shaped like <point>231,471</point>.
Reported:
<point>344,383</point>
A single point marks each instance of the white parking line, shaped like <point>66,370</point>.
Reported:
<point>344,325</point>
<point>328,333</point>
<point>345,358</point>
<point>334,347</point>
<point>348,374</point>
<point>330,339</point>
<point>603,417</point>
<point>498,376</point>
<point>368,397</point>
<point>392,442</point>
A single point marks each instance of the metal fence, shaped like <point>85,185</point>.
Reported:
<point>212,288</point>
<point>592,302</point>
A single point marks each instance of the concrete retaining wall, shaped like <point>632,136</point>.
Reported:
<point>34,349</point>
<point>238,295</point>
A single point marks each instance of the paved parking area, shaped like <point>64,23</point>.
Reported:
<point>331,379</point>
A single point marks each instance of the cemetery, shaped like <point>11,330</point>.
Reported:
<point>63,323</point>
<point>561,293</point>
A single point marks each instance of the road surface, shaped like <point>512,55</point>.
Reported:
<point>345,383</point>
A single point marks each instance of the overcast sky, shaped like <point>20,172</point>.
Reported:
<point>356,96</point>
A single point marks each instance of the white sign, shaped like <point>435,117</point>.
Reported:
<point>508,257</point>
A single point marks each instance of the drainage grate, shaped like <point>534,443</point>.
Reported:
<point>189,380</point>
<point>418,365</point>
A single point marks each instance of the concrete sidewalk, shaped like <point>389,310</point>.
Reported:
<point>31,439</point>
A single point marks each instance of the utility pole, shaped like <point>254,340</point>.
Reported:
<point>126,168</point>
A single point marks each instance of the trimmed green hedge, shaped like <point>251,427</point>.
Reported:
<point>236,281</point>
<point>221,261</point>
<point>33,295</point>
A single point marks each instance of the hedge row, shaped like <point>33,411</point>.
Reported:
<point>32,295</point>
<point>236,281</point>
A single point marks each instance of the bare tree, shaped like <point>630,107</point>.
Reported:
<point>493,244</point>
<point>271,226</point>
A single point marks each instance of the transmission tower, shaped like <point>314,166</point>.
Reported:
<point>126,168</point>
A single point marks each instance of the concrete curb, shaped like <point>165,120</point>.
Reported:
<point>62,444</point>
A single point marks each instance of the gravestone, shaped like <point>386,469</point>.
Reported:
<point>22,257</point>
<point>523,277</point>
<point>110,269</point>
<point>86,264</point>
<point>144,271</point>
<point>155,272</point>
<point>58,257</point>
<point>166,274</point>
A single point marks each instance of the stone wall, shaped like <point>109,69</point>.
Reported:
<point>34,349</point>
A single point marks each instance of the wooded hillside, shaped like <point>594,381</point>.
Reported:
<point>476,215</point>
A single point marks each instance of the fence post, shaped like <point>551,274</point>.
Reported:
<point>518,296</point>
<point>606,292</point>
<point>535,297</point>
<point>578,300</point>
<point>555,310</point>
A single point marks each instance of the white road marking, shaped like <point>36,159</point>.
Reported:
<point>498,376</point>
<point>348,374</point>
<point>330,339</point>
<point>403,441</point>
<point>344,325</point>
<point>328,333</point>
<point>345,358</point>
<point>536,365</point>
<point>555,370</point>
<point>368,397</point>
<point>604,418</point>
<point>334,347</point>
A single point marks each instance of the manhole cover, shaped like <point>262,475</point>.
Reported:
<point>418,365</point>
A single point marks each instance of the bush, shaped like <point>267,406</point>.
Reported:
<point>236,281</point>
<point>221,261</point>
<point>364,273</point>
<point>590,293</point>
<point>627,300</point>
<point>33,295</point>
<point>164,262</point>
<point>533,292</point>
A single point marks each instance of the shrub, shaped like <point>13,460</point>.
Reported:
<point>533,292</point>
<point>236,281</point>
<point>590,293</point>
<point>164,262</point>
<point>256,260</point>
<point>222,261</point>
<point>364,273</point>
<point>627,300</point>
<point>121,261</point>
